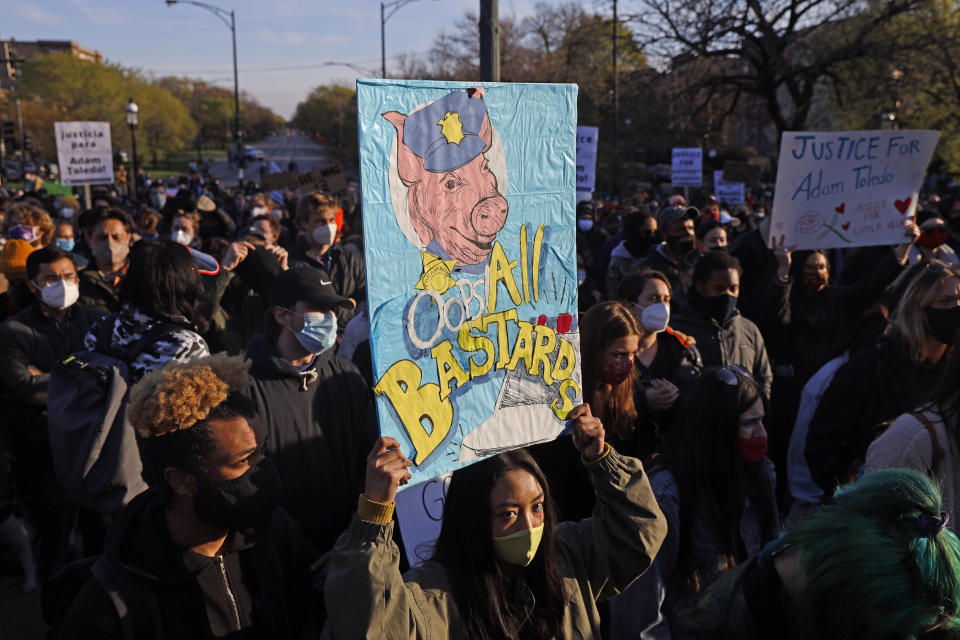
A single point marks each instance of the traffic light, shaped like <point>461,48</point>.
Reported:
<point>27,142</point>
<point>9,132</point>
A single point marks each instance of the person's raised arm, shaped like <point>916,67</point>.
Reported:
<point>618,543</point>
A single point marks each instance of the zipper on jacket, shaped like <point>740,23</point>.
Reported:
<point>230,597</point>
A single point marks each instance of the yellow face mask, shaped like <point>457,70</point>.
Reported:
<point>519,548</point>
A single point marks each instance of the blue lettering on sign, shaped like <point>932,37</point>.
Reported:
<point>812,190</point>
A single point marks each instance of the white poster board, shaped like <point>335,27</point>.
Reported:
<point>84,152</point>
<point>848,188</point>
<point>731,193</point>
<point>587,158</point>
<point>687,167</point>
<point>420,512</point>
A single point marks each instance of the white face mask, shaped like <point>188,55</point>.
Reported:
<point>66,213</point>
<point>584,224</point>
<point>325,234</point>
<point>182,237</point>
<point>60,295</point>
<point>655,317</point>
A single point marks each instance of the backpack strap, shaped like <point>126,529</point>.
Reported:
<point>934,441</point>
<point>104,572</point>
<point>117,582</point>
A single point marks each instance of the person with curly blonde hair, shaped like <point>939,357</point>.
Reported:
<point>205,551</point>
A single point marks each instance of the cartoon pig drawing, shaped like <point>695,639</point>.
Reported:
<point>453,201</point>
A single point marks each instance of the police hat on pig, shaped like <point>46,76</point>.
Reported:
<point>446,133</point>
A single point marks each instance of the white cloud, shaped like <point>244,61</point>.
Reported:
<point>34,13</point>
<point>99,15</point>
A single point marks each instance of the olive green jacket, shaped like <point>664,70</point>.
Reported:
<point>366,597</point>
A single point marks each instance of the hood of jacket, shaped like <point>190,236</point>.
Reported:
<point>266,362</point>
<point>139,541</point>
<point>620,251</point>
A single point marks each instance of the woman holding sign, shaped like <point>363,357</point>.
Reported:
<point>502,567</point>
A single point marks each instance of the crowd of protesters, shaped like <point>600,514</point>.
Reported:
<point>765,448</point>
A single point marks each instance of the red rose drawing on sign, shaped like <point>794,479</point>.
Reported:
<point>812,222</point>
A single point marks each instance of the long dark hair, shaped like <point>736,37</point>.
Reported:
<point>946,399</point>
<point>497,601</point>
<point>603,324</point>
<point>162,282</point>
<point>703,457</point>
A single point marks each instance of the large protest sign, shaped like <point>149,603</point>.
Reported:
<point>848,188</point>
<point>730,193</point>
<point>84,152</point>
<point>686,169</point>
<point>469,236</point>
<point>587,158</point>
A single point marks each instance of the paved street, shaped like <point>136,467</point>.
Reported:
<point>280,149</point>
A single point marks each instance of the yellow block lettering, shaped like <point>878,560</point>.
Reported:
<point>500,318</point>
<point>566,361</point>
<point>546,340</point>
<point>563,405</point>
<point>501,270</point>
<point>523,347</point>
<point>470,342</point>
<point>415,404</point>
<point>448,368</point>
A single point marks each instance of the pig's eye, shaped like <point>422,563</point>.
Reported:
<point>451,185</point>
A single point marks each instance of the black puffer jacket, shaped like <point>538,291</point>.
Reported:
<point>320,426</point>
<point>172,592</point>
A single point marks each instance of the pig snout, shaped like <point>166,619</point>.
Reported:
<point>489,215</point>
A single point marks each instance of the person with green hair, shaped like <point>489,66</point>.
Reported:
<point>878,562</point>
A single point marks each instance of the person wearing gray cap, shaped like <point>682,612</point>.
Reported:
<point>674,255</point>
<point>315,407</point>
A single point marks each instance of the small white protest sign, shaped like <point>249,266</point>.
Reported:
<point>587,158</point>
<point>420,512</point>
<point>848,188</point>
<point>687,167</point>
<point>731,193</point>
<point>84,152</point>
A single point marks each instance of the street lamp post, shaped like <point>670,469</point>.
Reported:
<point>229,19</point>
<point>387,9</point>
<point>133,115</point>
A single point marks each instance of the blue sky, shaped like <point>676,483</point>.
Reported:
<point>188,40</point>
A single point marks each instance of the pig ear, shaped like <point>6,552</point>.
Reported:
<point>409,165</point>
<point>486,132</point>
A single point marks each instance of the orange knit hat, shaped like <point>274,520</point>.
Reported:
<point>13,258</point>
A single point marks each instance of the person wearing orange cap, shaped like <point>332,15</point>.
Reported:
<point>13,265</point>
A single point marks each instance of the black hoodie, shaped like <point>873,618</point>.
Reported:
<point>320,425</point>
<point>172,592</point>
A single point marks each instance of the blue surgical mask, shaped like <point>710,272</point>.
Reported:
<point>66,244</point>
<point>319,331</point>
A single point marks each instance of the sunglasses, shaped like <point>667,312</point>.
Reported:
<point>731,375</point>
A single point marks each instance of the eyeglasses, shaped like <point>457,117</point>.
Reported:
<point>731,375</point>
<point>72,278</point>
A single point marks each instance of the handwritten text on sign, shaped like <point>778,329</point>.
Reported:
<point>686,168</point>
<point>84,152</point>
<point>848,188</point>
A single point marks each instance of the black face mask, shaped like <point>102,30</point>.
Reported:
<point>943,323</point>
<point>721,307</point>
<point>640,244</point>
<point>242,504</point>
<point>681,244</point>
<point>722,249</point>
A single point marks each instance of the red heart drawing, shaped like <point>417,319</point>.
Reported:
<point>841,208</point>
<point>845,225</point>
<point>902,205</point>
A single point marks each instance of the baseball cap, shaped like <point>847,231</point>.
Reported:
<point>674,213</point>
<point>306,284</point>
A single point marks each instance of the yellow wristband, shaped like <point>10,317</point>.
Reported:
<point>606,451</point>
<point>375,512</point>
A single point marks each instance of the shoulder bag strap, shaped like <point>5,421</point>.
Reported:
<point>934,441</point>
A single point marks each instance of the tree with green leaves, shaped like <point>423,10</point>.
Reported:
<point>330,111</point>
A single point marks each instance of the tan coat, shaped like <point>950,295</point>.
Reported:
<point>599,557</point>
